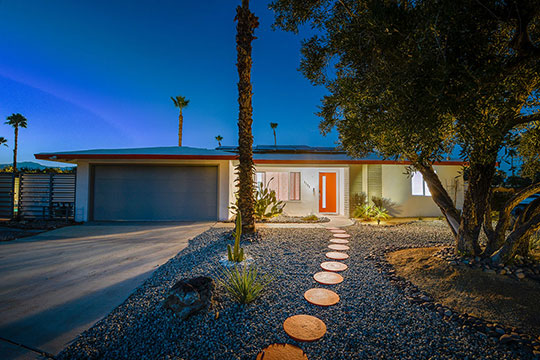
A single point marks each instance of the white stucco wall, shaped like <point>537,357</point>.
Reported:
<point>83,190</point>
<point>396,186</point>
<point>309,188</point>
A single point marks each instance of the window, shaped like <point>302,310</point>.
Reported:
<point>285,184</point>
<point>419,186</point>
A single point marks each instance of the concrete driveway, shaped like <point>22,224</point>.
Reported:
<point>57,284</point>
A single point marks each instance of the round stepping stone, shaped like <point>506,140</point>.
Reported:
<point>338,231</point>
<point>339,241</point>
<point>331,228</point>
<point>333,266</point>
<point>321,297</point>
<point>334,255</point>
<point>282,352</point>
<point>328,278</point>
<point>304,327</point>
<point>343,236</point>
<point>338,247</point>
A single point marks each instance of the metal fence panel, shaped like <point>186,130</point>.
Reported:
<point>6,195</point>
<point>47,196</point>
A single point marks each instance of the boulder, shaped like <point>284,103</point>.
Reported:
<point>189,296</point>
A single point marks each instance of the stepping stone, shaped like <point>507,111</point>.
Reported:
<point>342,236</point>
<point>331,228</point>
<point>334,255</point>
<point>333,266</point>
<point>338,247</point>
<point>328,278</point>
<point>282,352</point>
<point>321,297</point>
<point>339,241</point>
<point>304,328</point>
<point>338,231</point>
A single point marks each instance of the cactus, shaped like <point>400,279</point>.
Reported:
<point>236,253</point>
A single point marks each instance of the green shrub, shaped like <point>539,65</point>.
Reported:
<point>236,253</point>
<point>311,217</point>
<point>358,199</point>
<point>379,214</point>
<point>266,204</point>
<point>244,285</point>
<point>371,212</point>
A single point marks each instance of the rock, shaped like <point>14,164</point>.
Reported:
<point>502,272</point>
<point>505,339</point>
<point>499,331</point>
<point>188,296</point>
<point>447,313</point>
<point>520,275</point>
<point>489,271</point>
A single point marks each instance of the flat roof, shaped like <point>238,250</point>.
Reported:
<point>262,154</point>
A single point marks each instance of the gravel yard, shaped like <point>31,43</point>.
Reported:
<point>372,320</point>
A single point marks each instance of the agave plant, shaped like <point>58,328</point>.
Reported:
<point>244,285</point>
<point>379,213</point>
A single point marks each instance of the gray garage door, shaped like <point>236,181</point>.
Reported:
<point>178,193</point>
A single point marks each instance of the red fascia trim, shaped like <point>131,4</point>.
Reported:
<point>344,162</point>
<point>56,157</point>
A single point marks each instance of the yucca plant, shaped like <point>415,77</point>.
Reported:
<point>236,253</point>
<point>244,285</point>
<point>379,213</point>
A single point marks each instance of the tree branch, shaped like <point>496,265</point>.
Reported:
<point>524,119</point>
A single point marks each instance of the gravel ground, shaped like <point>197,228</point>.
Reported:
<point>372,320</point>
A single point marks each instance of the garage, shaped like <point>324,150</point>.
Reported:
<point>154,193</point>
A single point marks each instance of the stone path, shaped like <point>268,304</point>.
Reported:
<point>307,328</point>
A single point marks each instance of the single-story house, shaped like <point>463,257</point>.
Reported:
<point>184,183</point>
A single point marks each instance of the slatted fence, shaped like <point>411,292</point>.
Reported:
<point>7,181</point>
<point>47,196</point>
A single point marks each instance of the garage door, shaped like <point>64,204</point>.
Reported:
<point>155,193</point>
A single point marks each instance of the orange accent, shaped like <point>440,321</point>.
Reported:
<point>331,193</point>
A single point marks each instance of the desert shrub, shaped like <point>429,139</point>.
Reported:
<point>379,213</point>
<point>266,203</point>
<point>363,212</point>
<point>244,285</point>
<point>358,199</point>
<point>311,217</point>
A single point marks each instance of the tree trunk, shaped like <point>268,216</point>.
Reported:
<point>15,150</point>
<point>275,139</point>
<point>440,197</point>
<point>514,240</point>
<point>247,22</point>
<point>474,208</point>
<point>180,126</point>
<point>497,237</point>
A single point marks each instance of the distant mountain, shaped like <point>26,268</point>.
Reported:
<point>30,165</point>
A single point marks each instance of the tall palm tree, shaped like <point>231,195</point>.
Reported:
<point>219,138</point>
<point>180,102</point>
<point>17,121</point>
<point>3,141</point>
<point>247,23</point>
<point>274,126</point>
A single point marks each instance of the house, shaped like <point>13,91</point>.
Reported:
<point>185,184</point>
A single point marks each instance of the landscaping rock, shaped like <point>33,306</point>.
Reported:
<point>188,296</point>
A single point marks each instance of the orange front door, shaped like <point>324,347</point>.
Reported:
<point>327,192</point>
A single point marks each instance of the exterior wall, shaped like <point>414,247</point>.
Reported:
<point>309,188</point>
<point>396,187</point>
<point>84,184</point>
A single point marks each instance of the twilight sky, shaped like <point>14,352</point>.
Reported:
<point>99,74</point>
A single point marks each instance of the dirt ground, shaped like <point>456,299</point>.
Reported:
<point>492,297</point>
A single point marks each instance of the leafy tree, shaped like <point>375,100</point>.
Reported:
<point>273,126</point>
<point>17,121</point>
<point>180,102</point>
<point>411,80</point>
<point>529,151</point>
<point>219,138</point>
<point>3,141</point>
<point>245,28</point>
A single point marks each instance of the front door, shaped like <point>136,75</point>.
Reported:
<point>327,192</point>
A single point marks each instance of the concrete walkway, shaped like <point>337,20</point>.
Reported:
<point>335,221</point>
<point>57,284</point>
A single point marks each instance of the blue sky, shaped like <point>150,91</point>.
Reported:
<point>99,74</point>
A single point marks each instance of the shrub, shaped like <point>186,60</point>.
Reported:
<point>311,217</point>
<point>266,203</point>
<point>358,199</point>
<point>371,212</point>
<point>379,213</point>
<point>244,285</point>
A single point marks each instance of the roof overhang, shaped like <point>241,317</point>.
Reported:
<point>72,157</point>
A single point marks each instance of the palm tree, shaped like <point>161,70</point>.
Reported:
<point>274,126</point>
<point>247,23</point>
<point>3,141</point>
<point>180,102</point>
<point>219,138</point>
<point>16,120</point>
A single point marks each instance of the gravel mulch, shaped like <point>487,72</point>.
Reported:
<point>373,319</point>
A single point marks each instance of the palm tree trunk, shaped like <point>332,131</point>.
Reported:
<point>247,22</point>
<point>15,149</point>
<point>180,125</point>
<point>275,139</point>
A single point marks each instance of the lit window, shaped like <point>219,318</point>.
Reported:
<point>294,193</point>
<point>285,184</point>
<point>419,186</point>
